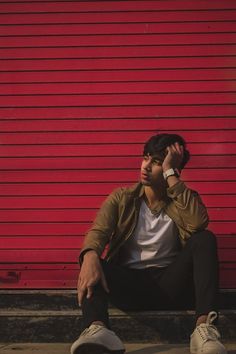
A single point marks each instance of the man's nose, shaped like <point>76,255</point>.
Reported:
<point>148,165</point>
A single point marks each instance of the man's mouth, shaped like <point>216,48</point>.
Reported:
<point>145,176</point>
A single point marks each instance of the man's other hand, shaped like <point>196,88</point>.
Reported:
<point>90,274</point>
<point>173,157</point>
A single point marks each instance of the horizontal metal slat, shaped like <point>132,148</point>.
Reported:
<point>158,112</point>
<point>117,100</point>
<point>115,40</point>
<point>119,28</point>
<point>105,6</point>
<point>105,150</point>
<point>41,243</point>
<point>225,14</point>
<point>42,229</point>
<point>130,132</point>
<point>118,64</point>
<point>115,88</point>
<point>28,131</point>
<point>118,76</point>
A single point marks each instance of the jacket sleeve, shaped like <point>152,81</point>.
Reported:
<point>191,210</point>
<point>103,226</point>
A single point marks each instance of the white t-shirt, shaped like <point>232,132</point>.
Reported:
<point>155,241</point>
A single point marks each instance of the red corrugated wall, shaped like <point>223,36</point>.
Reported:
<point>83,85</point>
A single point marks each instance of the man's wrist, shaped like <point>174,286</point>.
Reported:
<point>84,253</point>
<point>166,168</point>
<point>90,253</point>
<point>167,173</point>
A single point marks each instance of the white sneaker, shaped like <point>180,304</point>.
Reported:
<point>205,339</point>
<point>97,340</point>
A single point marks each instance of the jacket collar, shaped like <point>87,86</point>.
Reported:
<point>139,191</point>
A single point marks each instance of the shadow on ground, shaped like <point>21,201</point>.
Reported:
<point>155,349</point>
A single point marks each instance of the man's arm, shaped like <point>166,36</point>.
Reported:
<point>173,160</point>
<point>188,202</point>
<point>103,226</point>
<point>94,244</point>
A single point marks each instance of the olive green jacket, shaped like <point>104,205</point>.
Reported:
<point>118,215</point>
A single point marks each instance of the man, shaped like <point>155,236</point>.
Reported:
<point>159,254</point>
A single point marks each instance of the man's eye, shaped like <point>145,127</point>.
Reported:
<point>156,162</point>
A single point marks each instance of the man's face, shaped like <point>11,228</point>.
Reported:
<point>151,171</point>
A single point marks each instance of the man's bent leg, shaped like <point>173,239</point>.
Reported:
<point>206,272</point>
<point>126,288</point>
<point>97,337</point>
<point>198,260</point>
<point>197,263</point>
<point>95,308</point>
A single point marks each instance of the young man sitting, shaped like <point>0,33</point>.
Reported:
<point>160,255</point>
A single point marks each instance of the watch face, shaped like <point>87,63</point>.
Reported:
<point>170,172</point>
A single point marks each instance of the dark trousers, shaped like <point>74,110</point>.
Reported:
<point>190,282</point>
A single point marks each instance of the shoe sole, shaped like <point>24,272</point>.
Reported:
<point>89,348</point>
<point>212,352</point>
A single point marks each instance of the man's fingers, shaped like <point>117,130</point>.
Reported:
<point>178,148</point>
<point>84,291</point>
<point>81,294</point>
<point>89,291</point>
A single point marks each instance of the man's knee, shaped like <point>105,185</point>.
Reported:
<point>205,237</point>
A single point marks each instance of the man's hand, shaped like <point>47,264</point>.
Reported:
<point>174,157</point>
<point>90,274</point>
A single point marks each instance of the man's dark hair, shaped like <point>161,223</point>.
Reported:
<point>157,145</point>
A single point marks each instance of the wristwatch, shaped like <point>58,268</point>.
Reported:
<point>171,172</point>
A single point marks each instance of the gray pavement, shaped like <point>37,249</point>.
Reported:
<point>132,348</point>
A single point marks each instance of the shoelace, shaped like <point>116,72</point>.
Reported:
<point>91,330</point>
<point>208,332</point>
<point>211,317</point>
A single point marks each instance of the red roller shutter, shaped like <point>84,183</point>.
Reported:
<point>83,85</point>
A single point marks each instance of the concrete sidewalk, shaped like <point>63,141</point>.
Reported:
<point>132,348</point>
